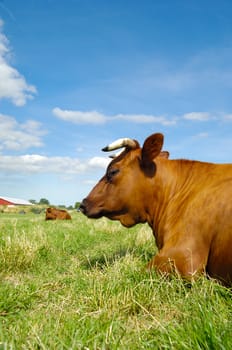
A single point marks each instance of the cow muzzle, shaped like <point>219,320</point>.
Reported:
<point>90,211</point>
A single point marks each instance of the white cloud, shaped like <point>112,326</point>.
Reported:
<point>228,117</point>
<point>37,164</point>
<point>78,117</point>
<point>198,116</point>
<point>202,135</point>
<point>206,116</point>
<point>16,136</point>
<point>99,162</point>
<point>93,117</point>
<point>13,85</point>
<point>144,118</point>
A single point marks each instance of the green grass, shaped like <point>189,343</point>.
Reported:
<point>82,285</point>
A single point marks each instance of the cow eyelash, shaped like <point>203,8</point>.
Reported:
<point>111,173</point>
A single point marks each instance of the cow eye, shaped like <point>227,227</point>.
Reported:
<point>111,173</point>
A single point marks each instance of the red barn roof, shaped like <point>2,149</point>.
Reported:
<point>13,201</point>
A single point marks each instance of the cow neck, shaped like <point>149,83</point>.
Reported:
<point>175,181</point>
<point>165,188</point>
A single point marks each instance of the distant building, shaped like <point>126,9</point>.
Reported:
<point>8,201</point>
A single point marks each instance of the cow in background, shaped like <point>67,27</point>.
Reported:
<point>57,214</point>
<point>188,205</point>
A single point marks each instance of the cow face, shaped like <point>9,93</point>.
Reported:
<point>122,192</point>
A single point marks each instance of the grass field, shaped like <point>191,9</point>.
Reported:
<point>82,285</point>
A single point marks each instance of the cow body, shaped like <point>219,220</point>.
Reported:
<point>57,214</point>
<point>186,203</point>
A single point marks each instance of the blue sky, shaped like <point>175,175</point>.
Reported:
<point>77,74</point>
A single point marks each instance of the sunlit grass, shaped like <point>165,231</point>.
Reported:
<point>82,285</point>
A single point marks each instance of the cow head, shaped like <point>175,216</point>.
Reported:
<point>123,191</point>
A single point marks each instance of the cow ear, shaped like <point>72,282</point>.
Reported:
<point>151,149</point>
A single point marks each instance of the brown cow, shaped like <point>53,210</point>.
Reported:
<point>186,203</point>
<point>57,214</point>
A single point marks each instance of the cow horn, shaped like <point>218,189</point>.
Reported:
<point>125,142</point>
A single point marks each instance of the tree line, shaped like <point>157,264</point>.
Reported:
<point>45,201</point>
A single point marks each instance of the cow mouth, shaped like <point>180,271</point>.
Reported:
<point>98,213</point>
